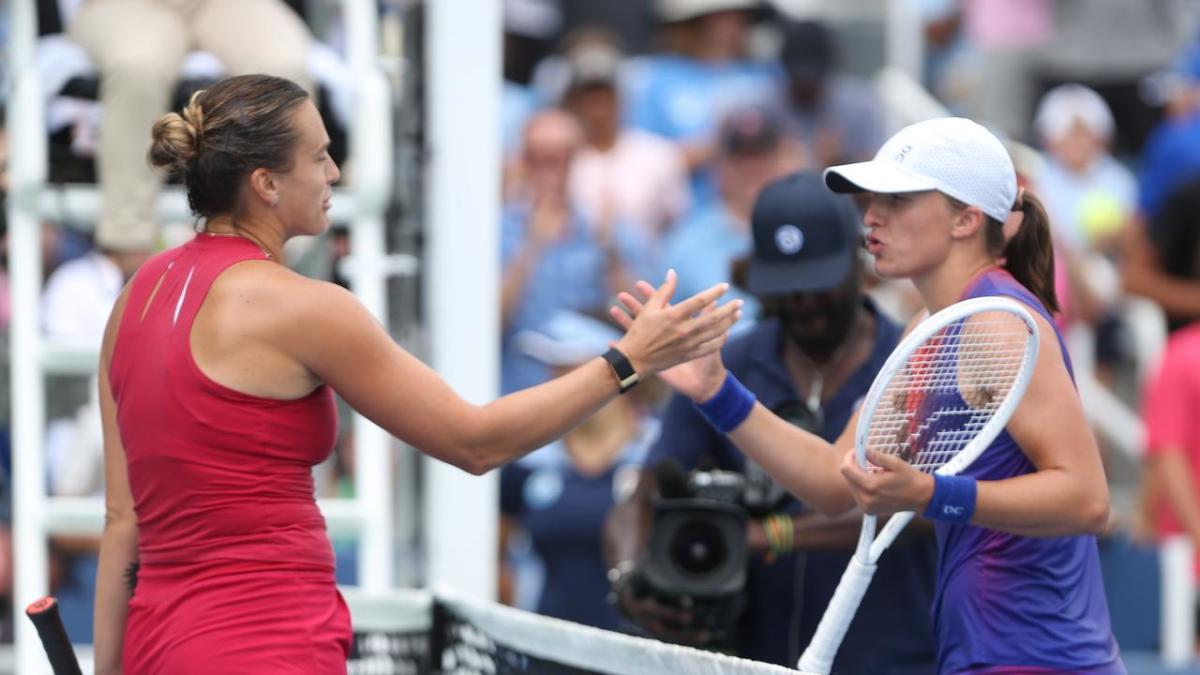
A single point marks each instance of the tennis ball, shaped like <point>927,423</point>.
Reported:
<point>1100,215</point>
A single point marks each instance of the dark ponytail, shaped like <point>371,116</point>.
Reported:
<point>1029,255</point>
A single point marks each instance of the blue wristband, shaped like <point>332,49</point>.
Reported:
<point>953,499</point>
<point>730,407</point>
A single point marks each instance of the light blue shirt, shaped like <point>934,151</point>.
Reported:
<point>685,100</point>
<point>570,275</point>
<point>1071,198</point>
<point>702,250</point>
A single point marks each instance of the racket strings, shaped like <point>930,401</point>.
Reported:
<point>949,389</point>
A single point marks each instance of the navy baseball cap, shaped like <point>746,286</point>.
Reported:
<point>805,237</point>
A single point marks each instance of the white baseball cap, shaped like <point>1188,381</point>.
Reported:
<point>566,339</point>
<point>952,155</point>
<point>1069,104</point>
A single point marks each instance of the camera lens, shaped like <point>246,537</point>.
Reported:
<point>698,548</point>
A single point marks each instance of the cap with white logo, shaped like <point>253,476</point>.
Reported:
<point>805,237</point>
<point>952,155</point>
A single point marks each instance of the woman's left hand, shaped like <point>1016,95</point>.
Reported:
<point>892,485</point>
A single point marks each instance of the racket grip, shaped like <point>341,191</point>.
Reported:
<point>46,618</point>
<point>818,658</point>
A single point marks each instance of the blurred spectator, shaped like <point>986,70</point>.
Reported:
<point>1088,194</point>
<point>621,172</point>
<point>994,75</point>
<point>1173,437</point>
<point>837,115</point>
<point>1158,249</point>
<point>529,27</point>
<point>752,150</point>
<point>138,46</point>
<point>553,259</point>
<point>1089,197</point>
<point>703,71</point>
<point>78,297</point>
<point>1162,259</point>
<point>945,44</point>
<point>627,19</point>
<point>76,302</point>
<point>1171,155</point>
<point>1110,45</point>
<point>559,496</point>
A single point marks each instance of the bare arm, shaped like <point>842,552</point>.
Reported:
<point>1171,472</point>
<point>332,335</point>
<point>118,544</point>
<point>1068,494</point>
<point>1142,275</point>
<point>804,463</point>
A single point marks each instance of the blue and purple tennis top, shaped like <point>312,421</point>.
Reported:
<point>1006,603</point>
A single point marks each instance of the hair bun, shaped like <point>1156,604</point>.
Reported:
<point>176,138</point>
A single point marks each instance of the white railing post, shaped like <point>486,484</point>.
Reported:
<point>371,180</point>
<point>27,172</point>
<point>463,258</point>
<point>1177,598</point>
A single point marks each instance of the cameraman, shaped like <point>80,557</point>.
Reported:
<point>811,360</point>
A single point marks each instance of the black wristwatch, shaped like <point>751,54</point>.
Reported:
<point>622,368</point>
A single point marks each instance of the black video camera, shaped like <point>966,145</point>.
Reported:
<point>697,548</point>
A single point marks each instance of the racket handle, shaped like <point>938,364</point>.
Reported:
<point>818,658</point>
<point>45,617</point>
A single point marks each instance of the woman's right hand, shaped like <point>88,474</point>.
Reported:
<point>681,343</point>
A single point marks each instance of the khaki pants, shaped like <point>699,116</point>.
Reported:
<point>138,47</point>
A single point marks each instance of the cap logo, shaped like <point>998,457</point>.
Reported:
<point>900,155</point>
<point>789,239</point>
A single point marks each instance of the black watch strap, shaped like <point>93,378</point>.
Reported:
<point>622,368</point>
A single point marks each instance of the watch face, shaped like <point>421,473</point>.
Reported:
<point>622,368</point>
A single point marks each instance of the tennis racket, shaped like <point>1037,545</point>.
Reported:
<point>940,399</point>
<point>45,616</point>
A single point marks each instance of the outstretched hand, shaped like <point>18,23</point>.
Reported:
<point>700,376</point>
<point>889,486</point>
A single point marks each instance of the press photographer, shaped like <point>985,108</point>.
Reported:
<point>811,360</point>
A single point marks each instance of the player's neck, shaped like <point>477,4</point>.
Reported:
<point>945,285</point>
<point>270,239</point>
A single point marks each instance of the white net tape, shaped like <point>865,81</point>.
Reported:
<point>465,636</point>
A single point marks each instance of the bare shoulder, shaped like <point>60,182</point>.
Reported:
<point>296,313</point>
<point>265,289</point>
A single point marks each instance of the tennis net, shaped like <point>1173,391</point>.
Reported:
<point>415,631</point>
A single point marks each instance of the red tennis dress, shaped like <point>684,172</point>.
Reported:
<point>236,568</point>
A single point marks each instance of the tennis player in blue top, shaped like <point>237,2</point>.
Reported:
<point>1019,587</point>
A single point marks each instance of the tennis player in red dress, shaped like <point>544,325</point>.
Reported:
<point>217,375</point>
